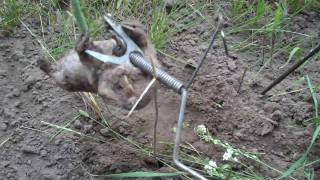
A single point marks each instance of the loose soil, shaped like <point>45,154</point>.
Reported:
<point>270,125</point>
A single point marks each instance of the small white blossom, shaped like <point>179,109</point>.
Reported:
<point>211,167</point>
<point>201,129</point>
<point>213,164</point>
<point>216,141</point>
<point>235,159</point>
<point>207,138</point>
<point>228,155</point>
<point>208,168</point>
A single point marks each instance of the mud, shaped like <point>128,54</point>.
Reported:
<point>273,126</point>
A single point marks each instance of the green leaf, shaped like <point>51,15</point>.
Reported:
<point>84,113</point>
<point>295,51</point>
<point>261,8</point>
<point>314,96</point>
<point>119,2</point>
<point>277,17</point>
<point>302,159</point>
<point>144,174</point>
<point>75,4</point>
<point>294,166</point>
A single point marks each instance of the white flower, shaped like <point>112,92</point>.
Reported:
<point>210,166</point>
<point>213,164</point>
<point>201,129</point>
<point>228,155</point>
<point>235,159</point>
<point>216,141</point>
<point>207,138</point>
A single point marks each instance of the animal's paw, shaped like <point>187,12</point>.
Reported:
<point>120,48</point>
<point>83,42</point>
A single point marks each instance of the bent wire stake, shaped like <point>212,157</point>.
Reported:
<point>213,37</point>
<point>291,69</point>
<point>135,56</point>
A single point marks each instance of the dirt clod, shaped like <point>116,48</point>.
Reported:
<point>276,116</point>
<point>105,132</point>
<point>3,126</point>
<point>43,153</point>
<point>29,149</point>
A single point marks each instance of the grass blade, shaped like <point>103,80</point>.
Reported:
<point>144,174</point>
<point>79,15</point>
<point>302,159</point>
<point>314,97</point>
<point>294,51</point>
<point>84,113</point>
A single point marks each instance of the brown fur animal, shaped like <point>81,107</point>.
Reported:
<point>123,83</point>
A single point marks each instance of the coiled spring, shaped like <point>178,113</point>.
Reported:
<point>165,78</point>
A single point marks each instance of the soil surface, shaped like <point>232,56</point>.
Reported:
<point>270,125</point>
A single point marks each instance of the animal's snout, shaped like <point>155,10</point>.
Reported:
<point>129,102</point>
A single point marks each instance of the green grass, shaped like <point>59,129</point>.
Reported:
<point>163,25</point>
<point>10,11</point>
<point>231,157</point>
<point>267,27</point>
<point>300,162</point>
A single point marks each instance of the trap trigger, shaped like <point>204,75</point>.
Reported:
<point>128,43</point>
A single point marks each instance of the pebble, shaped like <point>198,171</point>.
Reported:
<point>3,73</point>
<point>192,42</point>
<point>87,128</point>
<point>203,47</point>
<point>122,130</point>
<point>14,123</point>
<point>231,65</point>
<point>105,132</point>
<point>17,55</point>
<point>191,64</point>
<point>5,163</point>
<point>170,3</point>
<point>270,107</point>
<point>3,126</point>
<point>166,169</point>
<point>43,153</point>
<point>57,142</point>
<point>17,104</point>
<point>266,129</point>
<point>77,124</point>
<point>38,85</point>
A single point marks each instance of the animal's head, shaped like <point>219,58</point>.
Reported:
<point>132,88</point>
<point>137,32</point>
<point>124,85</point>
